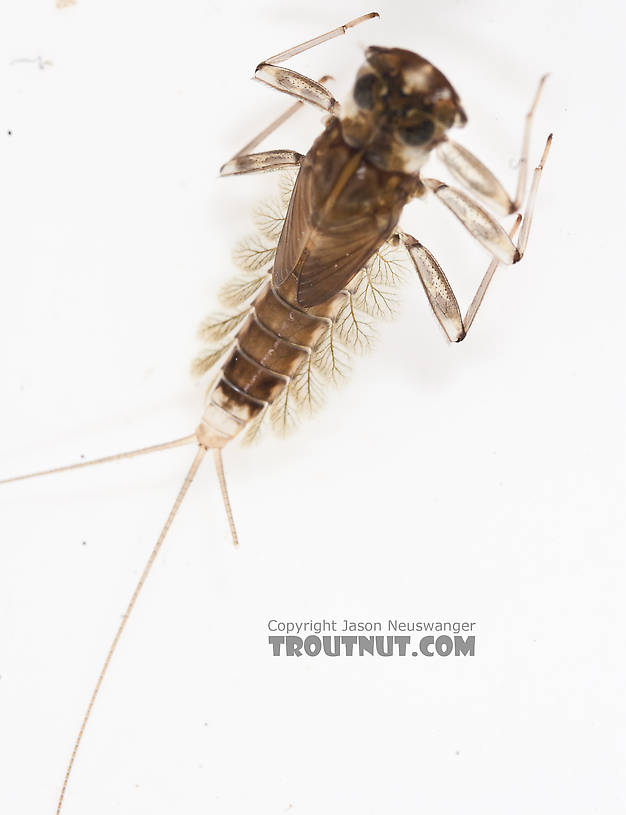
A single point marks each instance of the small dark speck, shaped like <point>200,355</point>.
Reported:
<point>457,752</point>
<point>84,543</point>
<point>206,724</point>
<point>82,455</point>
<point>9,132</point>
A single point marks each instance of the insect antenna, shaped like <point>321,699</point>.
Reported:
<point>120,630</point>
<point>130,454</point>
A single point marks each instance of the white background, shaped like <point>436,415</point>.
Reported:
<point>482,481</point>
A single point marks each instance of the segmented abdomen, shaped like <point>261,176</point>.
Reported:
<point>274,342</point>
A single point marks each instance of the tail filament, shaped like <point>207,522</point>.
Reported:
<point>144,575</point>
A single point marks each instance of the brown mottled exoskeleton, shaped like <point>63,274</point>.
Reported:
<point>349,193</point>
<point>344,207</point>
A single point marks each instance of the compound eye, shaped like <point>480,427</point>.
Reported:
<point>419,134</point>
<point>363,92</point>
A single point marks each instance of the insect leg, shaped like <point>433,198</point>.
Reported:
<point>471,172</point>
<point>295,84</point>
<point>287,81</point>
<point>481,225</point>
<point>532,198</point>
<point>439,291</point>
<point>273,126</point>
<point>261,162</point>
<point>484,283</point>
<point>230,168</point>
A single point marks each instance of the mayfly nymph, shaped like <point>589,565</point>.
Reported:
<point>331,251</point>
<point>306,298</point>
